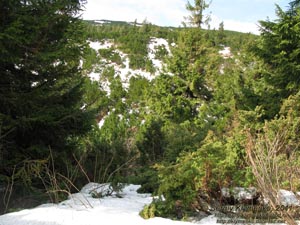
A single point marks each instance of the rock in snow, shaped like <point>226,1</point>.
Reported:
<point>239,193</point>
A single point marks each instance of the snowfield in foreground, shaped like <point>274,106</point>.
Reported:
<point>117,209</point>
<point>82,209</point>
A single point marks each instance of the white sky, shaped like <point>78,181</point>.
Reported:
<point>239,15</point>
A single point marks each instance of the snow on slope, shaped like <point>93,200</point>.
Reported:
<point>82,209</point>
<point>125,72</point>
<point>226,53</point>
<point>96,45</point>
<point>154,43</point>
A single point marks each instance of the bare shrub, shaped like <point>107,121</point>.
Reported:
<point>271,153</point>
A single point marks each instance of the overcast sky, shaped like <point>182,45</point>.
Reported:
<point>239,15</point>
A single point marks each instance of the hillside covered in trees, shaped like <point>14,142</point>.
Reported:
<point>184,112</point>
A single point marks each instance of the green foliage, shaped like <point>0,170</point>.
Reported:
<point>108,150</point>
<point>191,62</point>
<point>178,134</point>
<point>192,171</point>
<point>111,55</point>
<point>278,47</point>
<point>89,60</point>
<point>43,93</point>
<point>161,52</point>
<point>148,211</point>
<point>221,34</point>
<point>189,122</point>
<point>184,137</point>
<point>129,39</point>
<point>277,144</point>
<point>150,142</point>
<point>148,179</point>
<point>158,208</point>
<point>197,18</point>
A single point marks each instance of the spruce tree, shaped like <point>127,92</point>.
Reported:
<point>221,34</point>
<point>41,86</point>
<point>197,18</point>
<point>278,48</point>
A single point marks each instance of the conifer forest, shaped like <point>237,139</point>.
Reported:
<point>191,114</point>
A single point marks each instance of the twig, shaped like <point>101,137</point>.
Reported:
<point>81,168</point>
<point>8,191</point>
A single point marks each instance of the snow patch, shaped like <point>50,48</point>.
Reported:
<point>105,44</point>
<point>124,71</point>
<point>288,198</point>
<point>208,220</point>
<point>94,76</point>
<point>136,24</point>
<point>80,64</point>
<point>226,53</point>
<point>82,209</point>
<point>222,69</point>
<point>34,84</point>
<point>155,43</point>
<point>102,21</point>
<point>102,121</point>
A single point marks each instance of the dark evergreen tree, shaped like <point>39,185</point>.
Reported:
<point>294,4</point>
<point>221,34</point>
<point>42,90</point>
<point>278,47</point>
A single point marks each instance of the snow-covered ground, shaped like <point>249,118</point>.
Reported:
<point>226,53</point>
<point>82,209</point>
<point>105,44</point>
<point>120,208</point>
<point>155,43</point>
